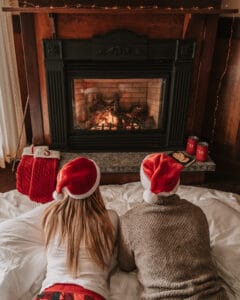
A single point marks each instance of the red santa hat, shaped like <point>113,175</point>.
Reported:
<point>79,178</point>
<point>160,176</point>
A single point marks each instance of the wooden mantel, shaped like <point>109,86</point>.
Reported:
<point>117,10</point>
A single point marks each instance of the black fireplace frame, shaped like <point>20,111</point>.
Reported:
<point>118,54</point>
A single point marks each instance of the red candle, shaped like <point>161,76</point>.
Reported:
<point>202,151</point>
<point>192,145</point>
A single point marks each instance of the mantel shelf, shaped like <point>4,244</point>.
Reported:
<point>114,10</point>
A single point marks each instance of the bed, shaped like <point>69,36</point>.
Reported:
<point>23,263</point>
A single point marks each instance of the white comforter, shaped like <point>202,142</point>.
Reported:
<point>23,263</point>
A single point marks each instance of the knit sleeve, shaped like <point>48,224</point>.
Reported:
<point>126,259</point>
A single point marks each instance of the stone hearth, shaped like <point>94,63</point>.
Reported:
<point>128,162</point>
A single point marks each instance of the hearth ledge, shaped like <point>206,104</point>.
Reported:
<point>128,162</point>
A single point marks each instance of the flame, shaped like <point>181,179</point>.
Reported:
<point>105,121</point>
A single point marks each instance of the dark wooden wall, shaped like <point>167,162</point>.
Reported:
<point>222,126</point>
<point>21,71</point>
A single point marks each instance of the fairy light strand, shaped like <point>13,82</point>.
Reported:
<point>26,4</point>
<point>219,88</point>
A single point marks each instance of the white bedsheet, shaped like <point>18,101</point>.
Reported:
<point>23,263</point>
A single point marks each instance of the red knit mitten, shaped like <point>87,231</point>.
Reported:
<point>44,173</point>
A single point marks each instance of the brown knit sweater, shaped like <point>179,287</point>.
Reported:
<point>169,245</point>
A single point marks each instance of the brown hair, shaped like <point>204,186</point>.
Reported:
<point>80,220</point>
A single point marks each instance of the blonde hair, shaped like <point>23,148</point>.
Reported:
<point>80,220</point>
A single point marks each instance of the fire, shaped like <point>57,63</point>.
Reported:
<point>105,121</point>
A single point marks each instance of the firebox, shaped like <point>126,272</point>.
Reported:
<point>117,104</point>
<point>118,92</point>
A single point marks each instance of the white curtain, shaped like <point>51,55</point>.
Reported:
<point>11,113</point>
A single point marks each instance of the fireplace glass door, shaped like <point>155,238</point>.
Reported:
<point>118,104</point>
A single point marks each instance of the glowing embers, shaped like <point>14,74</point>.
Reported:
<point>111,116</point>
<point>105,121</point>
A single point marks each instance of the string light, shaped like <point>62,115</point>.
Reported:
<point>27,4</point>
<point>219,88</point>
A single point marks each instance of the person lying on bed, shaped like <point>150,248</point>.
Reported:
<point>167,238</point>
<point>80,235</point>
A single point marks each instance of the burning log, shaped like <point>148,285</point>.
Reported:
<point>108,114</point>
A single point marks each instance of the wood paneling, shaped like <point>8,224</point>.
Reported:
<point>228,113</point>
<point>43,29</point>
<point>222,126</point>
<point>21,73</point>
<point>31,67</point>
<point>202,28</point>
<point>85,26</point>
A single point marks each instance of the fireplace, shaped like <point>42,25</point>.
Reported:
<point>118,92</point>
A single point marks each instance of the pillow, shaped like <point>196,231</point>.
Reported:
<point>22,255</point>
<point>13,204</point>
